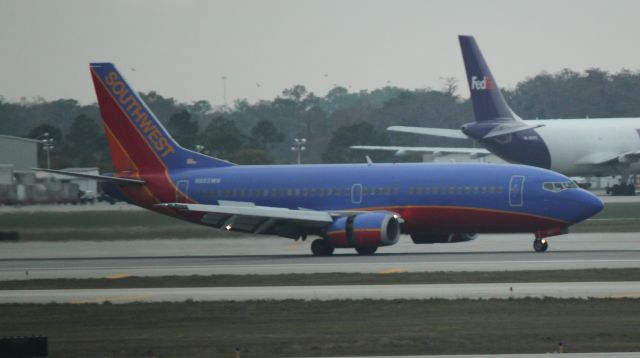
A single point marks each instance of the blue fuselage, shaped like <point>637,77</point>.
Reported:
<point>430,197</point>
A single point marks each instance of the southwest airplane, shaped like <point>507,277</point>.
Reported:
<point>360,206</point>
<point>574,147</point>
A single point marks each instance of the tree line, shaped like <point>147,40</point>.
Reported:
<point>263,132</point>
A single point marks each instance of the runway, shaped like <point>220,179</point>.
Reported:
<point>346,292</point>
<point>77,259</point>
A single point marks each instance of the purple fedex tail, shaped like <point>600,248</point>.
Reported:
<point>488,102</point>
<point>496,126</point>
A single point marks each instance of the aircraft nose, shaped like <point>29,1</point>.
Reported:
<point>590,205</point>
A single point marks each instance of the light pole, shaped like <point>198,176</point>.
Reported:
<point>298,146</point>
<point>47,146</point>
<point>224,91</point>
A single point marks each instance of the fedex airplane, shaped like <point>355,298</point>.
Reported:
<point>574,147</point>
<point>359,206</point>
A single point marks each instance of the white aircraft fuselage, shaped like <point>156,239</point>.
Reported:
<point>592,146</point>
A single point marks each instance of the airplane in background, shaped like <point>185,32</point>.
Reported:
<point>573,147</point>
<point>360,206</point>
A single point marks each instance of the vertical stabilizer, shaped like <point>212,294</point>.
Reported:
<point>137,140</point>
<point>488,102</point>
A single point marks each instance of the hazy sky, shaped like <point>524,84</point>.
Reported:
<point>182,49</point>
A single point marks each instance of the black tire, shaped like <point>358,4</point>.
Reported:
<point>631,190</point>
<point>615,190</point>
<point>321,247</point>
<point>368,250</point>
<point>540,246</point>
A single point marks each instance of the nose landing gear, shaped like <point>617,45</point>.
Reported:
<point>540,245</point>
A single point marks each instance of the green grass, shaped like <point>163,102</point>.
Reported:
<point>142,224</point>
<point>331,328</point>
<point>630,274</point>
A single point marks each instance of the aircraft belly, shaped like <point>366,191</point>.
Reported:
<point>475,220</point>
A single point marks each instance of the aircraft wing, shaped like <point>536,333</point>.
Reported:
<point>608,157</point>
<point>438,132</point>
<point>474,152</point>
<point>250,218</point>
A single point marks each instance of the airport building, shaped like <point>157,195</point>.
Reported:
<point>19,184</point>
<point>16,155</point>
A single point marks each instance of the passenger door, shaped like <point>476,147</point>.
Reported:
<point>516,191</point>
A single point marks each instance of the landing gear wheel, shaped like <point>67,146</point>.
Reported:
<point>321,247</point>
<point>540,245</point>
<point>368,250</point>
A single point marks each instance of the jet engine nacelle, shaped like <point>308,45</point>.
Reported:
<point>442,238</point>
<point>364,230</point>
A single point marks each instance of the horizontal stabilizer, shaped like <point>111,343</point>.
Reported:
<point>476,152</point>
<point>438,132</point>
<point>505,129</point>
<point>104,178</point>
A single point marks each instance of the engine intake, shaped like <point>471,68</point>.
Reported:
<point>440,238</point>
<point>364,230</point>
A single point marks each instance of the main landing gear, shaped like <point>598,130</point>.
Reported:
<point>367,250</point>
<point>321,247</point>
<point>540,245</point>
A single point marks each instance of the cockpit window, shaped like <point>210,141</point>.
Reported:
<point>559,186</point>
